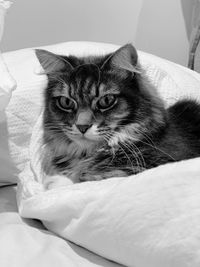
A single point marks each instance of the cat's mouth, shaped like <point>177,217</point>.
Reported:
<point>82,138</point>
<point>85,138</point>
<point>84,143</point>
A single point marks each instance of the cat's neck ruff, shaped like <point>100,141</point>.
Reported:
<point>80,147</point>
<point>130,133</point>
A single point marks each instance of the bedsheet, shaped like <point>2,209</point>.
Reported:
<point>26,242</point>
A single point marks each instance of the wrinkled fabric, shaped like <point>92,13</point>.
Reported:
<point>147,220</point>
<point>7,83</point>
<point>26,242</point>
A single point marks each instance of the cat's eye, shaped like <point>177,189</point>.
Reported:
<point>106,102</point>
<point>65,103</point>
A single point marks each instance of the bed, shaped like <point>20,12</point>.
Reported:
<point>155,224</point>
<point>26,242</point>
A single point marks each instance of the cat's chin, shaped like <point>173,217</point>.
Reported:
<point>84,144</point>
<point>84,141</point>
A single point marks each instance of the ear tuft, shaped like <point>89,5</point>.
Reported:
<point>123,60</point>
<point>52,63</point>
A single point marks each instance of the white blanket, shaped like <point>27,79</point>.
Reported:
<point>26,243</point>
<point>150,220</point>
<point>147,220</point>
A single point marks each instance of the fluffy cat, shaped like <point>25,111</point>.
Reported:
<point>104,119</point>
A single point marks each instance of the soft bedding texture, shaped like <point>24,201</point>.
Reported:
<point>147,220</point>
<point>150,220</point>
<point>26,243</point>
<point>7,85</point>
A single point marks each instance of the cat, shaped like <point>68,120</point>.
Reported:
<point>103,118</point>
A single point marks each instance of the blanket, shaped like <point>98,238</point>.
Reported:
<point>147,220</point>
<point>26,242</point>
<point>150,220</point>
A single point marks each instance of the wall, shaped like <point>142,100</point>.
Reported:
<point>35,22</point>
<point>155,26</point>
<point>162,31</point>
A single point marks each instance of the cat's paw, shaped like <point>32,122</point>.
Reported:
<point>56,181</point>
<point>88,177</point>
<point>105,175</point>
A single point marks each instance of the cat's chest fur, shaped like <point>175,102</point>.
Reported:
<point>71,160</point>
<point>74,167</point>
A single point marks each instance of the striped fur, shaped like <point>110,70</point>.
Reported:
<point>133,133</point>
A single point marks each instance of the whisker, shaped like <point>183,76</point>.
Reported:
<point>106,138</point>
<point>139,155</point>
<point>148,139</point>
<point>131,163</point>
<point>136,154</point>
<point>152,144</point>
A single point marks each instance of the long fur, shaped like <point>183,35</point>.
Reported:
<point>135,133</point>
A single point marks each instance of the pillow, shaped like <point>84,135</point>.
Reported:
<point>7,85</point>
<point>172,81</point>
<point>146,220</point>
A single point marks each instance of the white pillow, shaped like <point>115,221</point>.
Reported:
<point>147,220</point>
<point>7,84</point>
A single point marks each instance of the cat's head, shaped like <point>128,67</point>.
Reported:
<point>98,99</point>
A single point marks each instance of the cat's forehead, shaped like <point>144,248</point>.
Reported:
<point>91,89</point>
<point>86,86</point>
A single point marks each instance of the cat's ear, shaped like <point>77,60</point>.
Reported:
<point>52,63</point>
<point>123,60</point>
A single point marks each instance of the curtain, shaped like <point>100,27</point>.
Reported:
<point>194,53</point>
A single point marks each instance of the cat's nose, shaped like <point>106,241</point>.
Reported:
<point>83,127</point>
